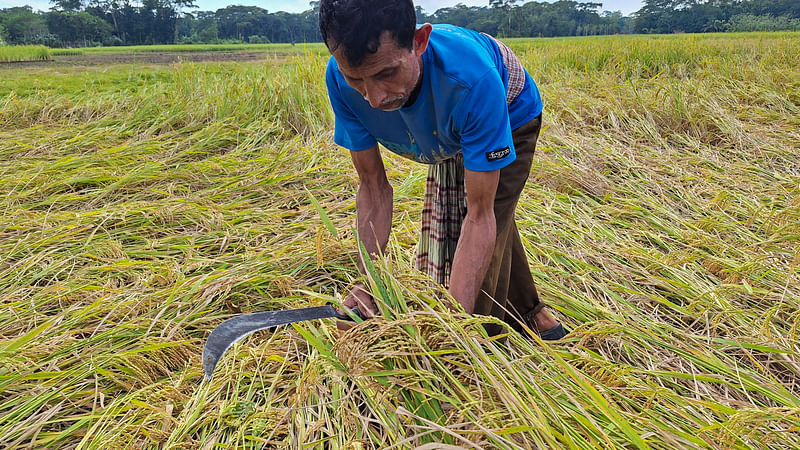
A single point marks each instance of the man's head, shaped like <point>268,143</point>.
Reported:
<point>377,47</point>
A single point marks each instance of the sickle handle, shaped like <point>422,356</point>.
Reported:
<point>344,316</point>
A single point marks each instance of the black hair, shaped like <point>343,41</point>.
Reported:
<point>357,25</point>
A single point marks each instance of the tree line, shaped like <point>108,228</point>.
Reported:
<point>80,23</point>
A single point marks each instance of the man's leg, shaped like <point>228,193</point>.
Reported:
<point>523,299</point>
<point>501,278</point>
<point>509,281</point>
<point>495,284</point>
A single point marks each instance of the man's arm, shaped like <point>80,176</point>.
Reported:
<point>477,240</point>
<point>373,201</point>
<point>373,221</point>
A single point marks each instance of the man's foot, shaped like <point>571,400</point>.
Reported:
<point>547,327</point>
<point>553,334</point>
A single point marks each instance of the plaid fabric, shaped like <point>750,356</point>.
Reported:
<point>445,205</point>
<point>516,73</point>
<point>444,209</point>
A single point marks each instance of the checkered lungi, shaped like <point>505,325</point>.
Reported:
<point>443,211</point>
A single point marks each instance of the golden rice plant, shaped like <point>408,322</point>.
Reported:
<point>142,207</point>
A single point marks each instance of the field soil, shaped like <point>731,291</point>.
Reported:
<point>147,58</point>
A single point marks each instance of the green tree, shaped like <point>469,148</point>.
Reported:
<point>142,22</point>
<point>750,22</point>
<point>474,17</point>
<point>67,5</point>
<point>238,22</point>
<point>788,8</point>
<point>501,15</point>
<point>106,10</point>
<point>23,26</point>
<point>208,34</point>
<point>78,29</point>
<point>159,19</point>
<point>657,16</point>
<point>667,16</point>
<point>422,17</point>
<point>616,23</point>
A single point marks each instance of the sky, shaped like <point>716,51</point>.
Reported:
<point>626,6</point>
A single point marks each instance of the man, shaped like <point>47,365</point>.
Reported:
<point>461,102</point>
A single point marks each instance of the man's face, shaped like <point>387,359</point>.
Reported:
<point>386,78</point>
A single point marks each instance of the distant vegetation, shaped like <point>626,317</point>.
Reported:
<point>84,23</point>
<point>15,53</point>
<point>750,22</point>
<point>315,48</point>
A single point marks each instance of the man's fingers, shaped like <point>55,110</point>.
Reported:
<point>344,326</point>
<point>361,299</point>
<point>367,306</point>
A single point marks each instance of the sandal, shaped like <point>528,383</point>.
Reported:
<point>553,334</point>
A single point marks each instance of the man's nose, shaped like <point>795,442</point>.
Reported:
<point>375,94</point>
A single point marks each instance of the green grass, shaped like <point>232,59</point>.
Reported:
<point>639,56</point>
<point>17,53</point>
<point>144,206</point>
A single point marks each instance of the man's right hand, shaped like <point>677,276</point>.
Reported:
<point>373,222</point>
<point>360,298</point>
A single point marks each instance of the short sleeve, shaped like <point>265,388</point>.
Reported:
<point>349,132</point>
<point>482,118</point>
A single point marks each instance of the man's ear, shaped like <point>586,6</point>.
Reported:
<point>421,37</point>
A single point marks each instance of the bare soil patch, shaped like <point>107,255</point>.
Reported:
<point>149,58</point>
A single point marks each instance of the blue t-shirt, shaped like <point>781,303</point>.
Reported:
<point>461,106</point>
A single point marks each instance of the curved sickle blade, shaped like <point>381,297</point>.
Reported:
<point>235,328</point>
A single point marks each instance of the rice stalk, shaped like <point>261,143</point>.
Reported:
<point>144,207</point>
